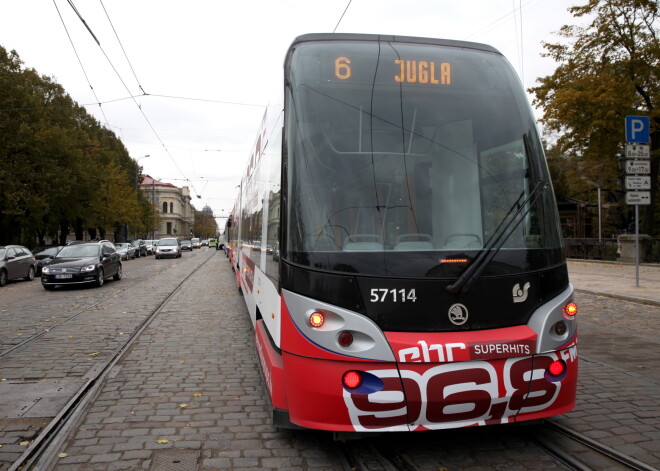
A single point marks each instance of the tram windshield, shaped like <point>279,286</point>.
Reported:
<point>402,155</point>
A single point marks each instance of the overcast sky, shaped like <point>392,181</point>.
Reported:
<point>209,67</point>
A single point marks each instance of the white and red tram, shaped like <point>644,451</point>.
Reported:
<point>397,242</point>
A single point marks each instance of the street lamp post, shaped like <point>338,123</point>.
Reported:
<point>137,195</point>
<point>600,233</point>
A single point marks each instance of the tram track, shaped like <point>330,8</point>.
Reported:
<point>41,453</point>
<point>565,447</point>
<point>366,455</point>
<point>581,453</point>
<point>33,337</point>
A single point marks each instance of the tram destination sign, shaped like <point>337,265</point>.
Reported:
<point>638,197</point>
<point>642,167</point>
<point>638,182</point>
<point>638,151</point>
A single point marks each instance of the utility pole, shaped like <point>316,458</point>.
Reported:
<point>153,203</point>
<point>137,195</point>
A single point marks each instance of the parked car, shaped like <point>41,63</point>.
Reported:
<point>186,245</point>
<point>91,262</point>
<point>125,250</point>
<point>168,247</point>
<point>213,243</point>
<point>150,246</point>
<point>196,244</point>
<point>43,255</point>
<point>16,262</point>
<point>140,248</point>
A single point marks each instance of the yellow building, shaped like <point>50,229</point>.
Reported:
<point>177,215</point>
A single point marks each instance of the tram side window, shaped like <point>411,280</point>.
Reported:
<point>274,191</point>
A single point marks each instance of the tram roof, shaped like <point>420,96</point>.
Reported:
<point>392,38</point>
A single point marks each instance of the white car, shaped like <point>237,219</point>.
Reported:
<point>168,247</point>
<point>151,246</point>
<point>196,244</point>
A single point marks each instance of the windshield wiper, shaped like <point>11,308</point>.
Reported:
<point>503,232</point>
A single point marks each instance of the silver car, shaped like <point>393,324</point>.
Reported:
<point>125,250</point>
<point>168,247</point>
<point>16,262</point>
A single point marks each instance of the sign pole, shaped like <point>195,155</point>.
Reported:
<point>600,232</point>
<point>638,132</point>
<point>637,245</point>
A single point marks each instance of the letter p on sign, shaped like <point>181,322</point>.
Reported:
<point>638,129</point>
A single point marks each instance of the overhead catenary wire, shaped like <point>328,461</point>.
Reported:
<point>146,118</point>
<point>122,47</point>
<point>75,51</point>
<point>498,20</point>
<point>115,100</point>
<point>342,15</point>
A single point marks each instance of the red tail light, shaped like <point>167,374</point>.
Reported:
<point>557,368</point>
<point>352,379</point>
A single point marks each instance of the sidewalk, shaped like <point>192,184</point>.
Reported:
<point>616,280</point>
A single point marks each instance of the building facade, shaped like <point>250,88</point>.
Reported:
<point>177,214</point>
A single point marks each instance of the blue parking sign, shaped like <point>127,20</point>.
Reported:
<point>638,129</point>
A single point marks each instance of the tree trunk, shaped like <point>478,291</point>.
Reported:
<point>64,231</point>
<point>41,237</point>
<point>79,229</point>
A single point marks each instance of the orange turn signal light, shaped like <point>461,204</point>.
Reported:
<point>316,319</point>
<point>570,310</point>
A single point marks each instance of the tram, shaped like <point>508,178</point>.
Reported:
<point>397,242</point>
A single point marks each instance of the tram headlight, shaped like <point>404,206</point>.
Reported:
<point>345,339</point>
<point>560,328</point>
<point>570,310</point>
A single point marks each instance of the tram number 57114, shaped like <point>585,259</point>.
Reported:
<point>381,295</point>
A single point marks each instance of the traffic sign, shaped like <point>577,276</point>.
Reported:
<point>638,182</point>
<point>638,197</point>
<point>638,129</point>
<point>638,151</point>
<point>638,166</point>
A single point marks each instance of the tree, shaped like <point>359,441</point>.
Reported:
<point>607,70</point>
<point>205,225</point>
<point>60,169</point>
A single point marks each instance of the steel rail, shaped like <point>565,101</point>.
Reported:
<point>41,452</point>
<point>40,334</point>
<point>605,450</point>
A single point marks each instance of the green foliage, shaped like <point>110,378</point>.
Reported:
<point>60,167</point>
<point>607,70</point>
<point>205,225</point>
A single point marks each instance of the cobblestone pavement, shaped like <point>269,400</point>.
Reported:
<point>38,378</point>
<point>191,381</point>
<point>191,384</point>
<point>618,401</point>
